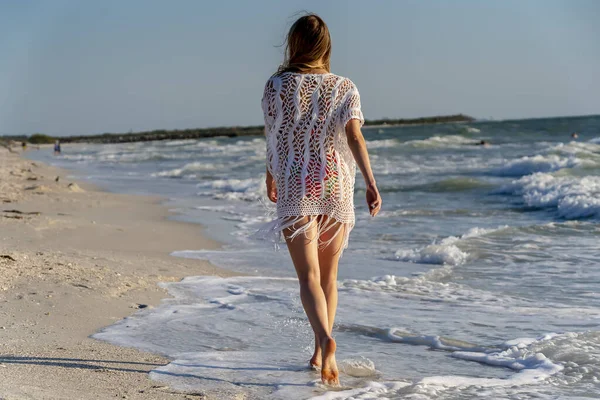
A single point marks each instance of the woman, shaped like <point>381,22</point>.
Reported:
<point>312,127</point>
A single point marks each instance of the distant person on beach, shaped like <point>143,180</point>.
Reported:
<point>57,147</point>
<point>313,123</point>
<point>574,135</point>
<point>24,145</point>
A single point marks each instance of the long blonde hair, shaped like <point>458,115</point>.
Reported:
<point>308,46</point>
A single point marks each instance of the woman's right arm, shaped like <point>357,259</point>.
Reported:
<point>271,187</point>
<point>269,117</point>
<point>356,142</point>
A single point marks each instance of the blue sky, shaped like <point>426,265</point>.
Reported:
<point>83,67</point>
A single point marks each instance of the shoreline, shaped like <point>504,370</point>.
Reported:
<point>73,260</point>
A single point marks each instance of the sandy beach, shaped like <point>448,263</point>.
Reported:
<point>74,259</point>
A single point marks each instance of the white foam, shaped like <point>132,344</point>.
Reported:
<point>449,141</point>
<point>544,366</point>
<point>409,164</point>
<point>383,143</point>
<point>477,231</point>
<point>358,367</point>
<point>372,390</point>
<point>537,163</point>
<point>572,197</point>
<point>589,149</point>
<point>427,286</point>
<point>136,153</point>
<point>434,254</point>
<point>181,142</point>
<point>234,189</point>
<point>188,169</point>
<point>446,252</point>
<point>433,341</point>
<point>256,147</point>
<point>472,130</point>
<point>78,157</point>
<point>220,333</point>
<point>227,208</point>
<point>519,357</point>
<point>533,369</point>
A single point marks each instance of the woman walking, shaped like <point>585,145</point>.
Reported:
<point>314,142</point>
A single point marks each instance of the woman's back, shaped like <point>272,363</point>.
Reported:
<point>307,151</point>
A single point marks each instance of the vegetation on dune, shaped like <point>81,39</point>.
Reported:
<point>162,134</point>
<point>39,138</point>
<point>16,138</point>
<point>440,119</point>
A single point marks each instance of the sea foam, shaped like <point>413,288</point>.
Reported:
<point>446,252</point>
<point>538,163</point>
<point>250,189</point>
<point>434,254</point>
<point>382,143</point>
<point>572,197</point>
<point>220,333</point>
<point>449,141</point>
<point>188,170</point>
<point>533,368</point>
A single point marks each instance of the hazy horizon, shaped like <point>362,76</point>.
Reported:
<point>88,68</point>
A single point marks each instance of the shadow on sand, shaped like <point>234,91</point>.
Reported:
<point>77,363</point>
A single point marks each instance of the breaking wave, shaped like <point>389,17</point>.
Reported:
<point>572,197</point>
<point>446,252</point>
<point>538,163</point>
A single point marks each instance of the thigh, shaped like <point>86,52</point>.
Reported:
<point>302,243</point>
<point>332,236</point>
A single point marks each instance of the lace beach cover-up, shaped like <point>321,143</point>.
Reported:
<point>308,153</point>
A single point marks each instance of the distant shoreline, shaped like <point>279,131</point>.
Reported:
<point>182,134</point>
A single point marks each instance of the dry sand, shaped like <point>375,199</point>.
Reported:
<point>74,259</point>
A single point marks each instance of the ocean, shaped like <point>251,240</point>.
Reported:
<point>479,278</point>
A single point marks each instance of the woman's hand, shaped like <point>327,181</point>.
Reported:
<point>373,199</point>
<point>271,188</point>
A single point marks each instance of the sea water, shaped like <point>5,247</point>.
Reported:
<point>479,278</point>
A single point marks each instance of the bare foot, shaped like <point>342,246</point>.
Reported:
<point>315,360</point>
<point>329,371</point>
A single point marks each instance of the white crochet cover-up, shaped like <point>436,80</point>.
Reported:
<point>308,153</point>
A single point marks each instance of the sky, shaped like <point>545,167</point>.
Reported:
<point>71,67</point>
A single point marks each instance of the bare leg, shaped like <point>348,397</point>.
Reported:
<point>329,258</point>
<point>304,252</point>
<point>328,262</point>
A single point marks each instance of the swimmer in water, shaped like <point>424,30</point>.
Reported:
<point>57,147</point>
<point>574,135</point>
<point>483,143</point>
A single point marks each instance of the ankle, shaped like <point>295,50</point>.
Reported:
<point>324,340</point>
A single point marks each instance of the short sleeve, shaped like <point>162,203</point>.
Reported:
<point>350,107</point>
<point>268,105</point>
